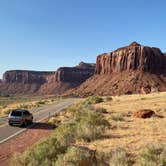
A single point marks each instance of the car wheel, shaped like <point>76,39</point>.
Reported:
<point>10,124</point>
<point>25,123</point>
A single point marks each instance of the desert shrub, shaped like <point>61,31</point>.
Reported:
<point>5,106</point>
<point>90,125</point>
<point>7,111</point>
<point>143,98</point>
<point>86,124</point>
<point>25,106</point>
<point>153,155</point>
<point>52,100</point>
<point>76,156</point>
<point>44,153</point>
<point>94,100</point>
<point>119,157</point>
<point>101,110</point>
<point>109,98</point>
<point>65,133</point>
<point>41,102</point>
<point>117,117</point>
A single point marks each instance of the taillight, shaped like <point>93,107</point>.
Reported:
<point>22,119</point>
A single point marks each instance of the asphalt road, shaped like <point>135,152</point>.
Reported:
<point>7,132</point>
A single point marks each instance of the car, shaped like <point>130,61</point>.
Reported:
<point>20,117</point>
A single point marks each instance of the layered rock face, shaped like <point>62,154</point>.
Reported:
<point>26,77</point>
<point>67,77</point>
<point>78,75</point>
<point>131,69</point>
<point>132,57</point>
<point>40,82</point>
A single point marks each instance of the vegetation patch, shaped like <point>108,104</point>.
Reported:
<point>85,124</point>
<point>108,98</point>
<point>117,117</point>
<point>94,100</point>
<point>120,157</point>
<point>153,155</point>
<point>77,156</point>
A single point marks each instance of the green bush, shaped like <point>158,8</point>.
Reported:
<point>44,153</point>
<point>90,125</point>
<point>119,157</point>
<point>117,117</point>
<point>101,110</point>
<point>76,156</point>
<point>41,102</point>
<point>94,100</point>
<point>109,98</point>
<point>23,106</point>
<point>7,112</point>
<point>153,155</point>
<point>87,125</point>
<point>65,134</point>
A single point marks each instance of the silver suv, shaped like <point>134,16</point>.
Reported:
<point>20,117</point>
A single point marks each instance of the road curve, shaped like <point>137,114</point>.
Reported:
<point>7,132</point>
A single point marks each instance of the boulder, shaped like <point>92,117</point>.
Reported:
<point>144,113</point>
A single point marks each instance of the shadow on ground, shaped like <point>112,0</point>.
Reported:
<point>42,125</point>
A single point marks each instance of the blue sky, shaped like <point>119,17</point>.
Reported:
<point>47,34</point>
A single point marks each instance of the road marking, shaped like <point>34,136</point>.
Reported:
<point>6,139</point>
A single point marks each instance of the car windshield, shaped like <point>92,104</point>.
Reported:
<point>16,113</point>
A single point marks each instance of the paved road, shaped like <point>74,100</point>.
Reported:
<point>6,131</point>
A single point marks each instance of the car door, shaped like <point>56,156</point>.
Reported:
<point>27,115</point>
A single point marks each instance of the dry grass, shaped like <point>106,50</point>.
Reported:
<point>132,133</point>
<point>9,103</point>
<point>125,132</point>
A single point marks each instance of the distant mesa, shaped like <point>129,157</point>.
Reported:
<point>41,82</point>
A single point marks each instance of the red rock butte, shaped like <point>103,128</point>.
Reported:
<point>132,57</point>
<point>127,70</point>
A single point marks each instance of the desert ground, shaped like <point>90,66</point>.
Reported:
<point>125,131</point>
<point>129,132</point>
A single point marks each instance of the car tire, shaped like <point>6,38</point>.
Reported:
<point>25,124</point>
<point>10,124</point>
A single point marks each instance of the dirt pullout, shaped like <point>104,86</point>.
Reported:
<point>21,142</point>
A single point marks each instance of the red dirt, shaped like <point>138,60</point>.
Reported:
<point>21,142</point>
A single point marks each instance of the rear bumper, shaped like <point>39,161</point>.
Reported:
<point>15,122</point>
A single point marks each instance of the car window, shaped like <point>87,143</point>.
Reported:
<point>16,113</point>
<point>26,113</point>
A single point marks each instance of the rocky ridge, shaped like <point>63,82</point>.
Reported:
<point>40,82</point>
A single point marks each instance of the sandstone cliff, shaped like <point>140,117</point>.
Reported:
<point>67,77</point>
<point>25,76</point>
<point>28,82</point>
<point>130,58</point>
<point>131,69</point>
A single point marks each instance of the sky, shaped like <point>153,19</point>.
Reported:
<point>47,34</point>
